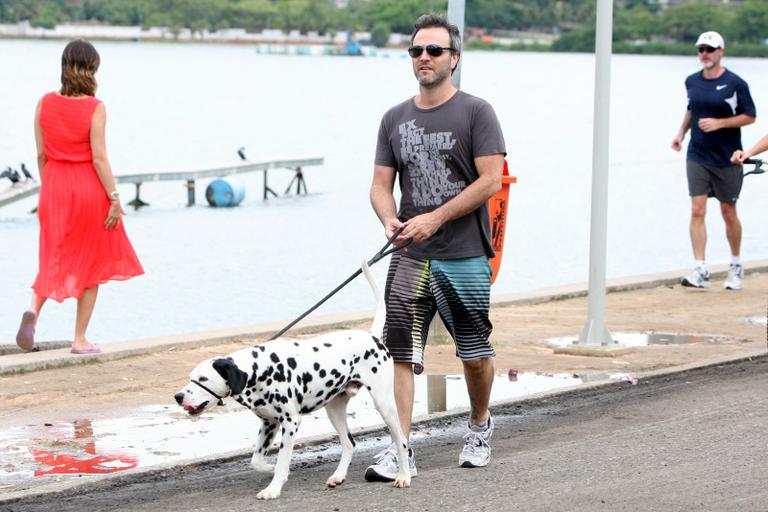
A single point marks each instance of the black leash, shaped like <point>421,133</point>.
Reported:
<point>758,166</point>
<point>379,255</point>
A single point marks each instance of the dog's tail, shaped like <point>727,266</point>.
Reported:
<point>377,328</point>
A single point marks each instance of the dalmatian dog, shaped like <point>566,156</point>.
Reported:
<point>283,379</point>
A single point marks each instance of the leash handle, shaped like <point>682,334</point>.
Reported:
<point>384,252</point>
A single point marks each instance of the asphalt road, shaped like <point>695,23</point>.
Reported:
<point>688,441</point>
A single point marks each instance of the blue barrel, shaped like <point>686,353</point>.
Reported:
<point>225,192</point>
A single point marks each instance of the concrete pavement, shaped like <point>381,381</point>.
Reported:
<point>692,440</point>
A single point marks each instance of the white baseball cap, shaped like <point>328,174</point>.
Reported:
<point>712,39</point>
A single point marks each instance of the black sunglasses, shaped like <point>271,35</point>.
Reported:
<point>432,49</point>
<point>707,49</point>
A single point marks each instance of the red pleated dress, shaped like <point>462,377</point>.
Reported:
<point>76,250</point>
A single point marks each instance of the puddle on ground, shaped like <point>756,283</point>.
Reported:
<point>165,434</point>
<point>645,339</point>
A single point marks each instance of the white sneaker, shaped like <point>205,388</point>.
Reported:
<point>477,450</point>
<point>735,275</point>
<point>385,466</point>
<point>699,278</point>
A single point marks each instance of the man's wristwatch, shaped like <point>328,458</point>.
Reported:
<point>114,195</point>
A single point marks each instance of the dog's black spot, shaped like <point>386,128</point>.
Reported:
<point>268,383</point>
<point>295,343</point>
<point>327,345</point>
<point>259,402</point>
<point>316,349</point>
<point>274,357</point>
<point>343,361</point>
<point>369,387</point>
<point>292,362</point>
<point>262,348</point>
<point>367,354</point>
<point>305,410</point>
<point>290,433</point>
<point>319,393</point>
<point>290,393</point>
<point>299,397</point>
<point>316,366</point>
<point>306,377</point>
<point>349,436</point>
<point>357,359</point>
<point>254,354</point>
<point>329,383</point>
<point>374,369</point>
<point>266,374</point>
<point>322,373</point>
<point>203,378</point>
<point>335,372</point>
<point>247,392</point>
<point>279,374</point>
<point>279,409</point>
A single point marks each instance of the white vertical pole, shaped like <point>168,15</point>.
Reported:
<point>456,16</point>
<point>595,331</point>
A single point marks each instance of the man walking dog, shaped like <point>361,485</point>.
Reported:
<point>447,151</point>
<point>719,104</point>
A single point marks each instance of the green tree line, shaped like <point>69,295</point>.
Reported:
<point>639,25</point>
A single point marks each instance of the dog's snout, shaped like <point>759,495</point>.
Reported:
<point>179,397</point>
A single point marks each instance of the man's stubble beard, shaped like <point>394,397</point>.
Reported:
<point>438,79</point>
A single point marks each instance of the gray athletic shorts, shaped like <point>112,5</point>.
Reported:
<point>724,183</point>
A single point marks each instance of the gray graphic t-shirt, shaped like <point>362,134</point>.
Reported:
<point>433,152</point>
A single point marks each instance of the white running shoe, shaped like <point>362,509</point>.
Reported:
<point>385,466</point>
<point>699,278</point>
<point>477,450</point>
<point>735,275</point>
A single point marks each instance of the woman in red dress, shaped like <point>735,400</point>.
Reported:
<point>82,239</point>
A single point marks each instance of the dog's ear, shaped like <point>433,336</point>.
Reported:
<point>235,377</point>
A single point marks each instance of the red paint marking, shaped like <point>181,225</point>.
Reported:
<point>69,465</point>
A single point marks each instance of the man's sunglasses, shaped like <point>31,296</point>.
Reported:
<point>433,50</point>
<point>706,49</point>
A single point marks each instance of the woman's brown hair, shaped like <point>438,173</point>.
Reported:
<point>79,64</point>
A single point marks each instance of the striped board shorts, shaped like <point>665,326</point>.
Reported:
<point>458,289</point>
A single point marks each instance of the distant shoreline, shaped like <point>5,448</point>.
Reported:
<point>655,48</point>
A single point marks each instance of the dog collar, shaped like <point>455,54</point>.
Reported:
<point>212,393</point>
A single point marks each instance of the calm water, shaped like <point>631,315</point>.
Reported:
<point>174,107</point>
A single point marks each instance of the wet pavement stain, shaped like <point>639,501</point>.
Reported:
<point>646,339</point>
<point>164,435</point>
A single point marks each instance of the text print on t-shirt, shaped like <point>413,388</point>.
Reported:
<point>426,165</point>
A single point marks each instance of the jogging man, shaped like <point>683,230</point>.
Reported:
<point>446,150</point>
<point>719,104</point>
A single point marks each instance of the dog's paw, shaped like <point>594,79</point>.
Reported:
<point>334,481</point>
<point>262,467</point>
<point>268,494</point>
<point>403,482</point>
